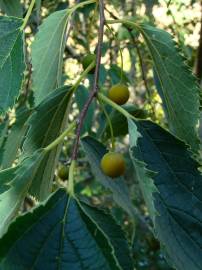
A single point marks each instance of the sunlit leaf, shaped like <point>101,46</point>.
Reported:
<point>45,125</point>
<point>47,54</point>
<point>179,88</point>
<point>11,61</point>
<point>14,184</point>
<point>14,138</point>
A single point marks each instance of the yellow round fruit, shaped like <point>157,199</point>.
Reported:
<point>119,94</point>
<point>113,164</point>
<point>87,60</point>
<point>63,172</point>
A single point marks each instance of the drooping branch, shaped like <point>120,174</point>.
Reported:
<point>95,87</point>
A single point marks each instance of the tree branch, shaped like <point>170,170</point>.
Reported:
<point>95,88</point>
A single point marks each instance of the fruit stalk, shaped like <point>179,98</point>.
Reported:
<point>115,106</point>
<point>59,139</point>
<point>29,12</point>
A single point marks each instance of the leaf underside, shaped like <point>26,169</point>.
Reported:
<point>47,54</point>
<point>14,138</point>
<point>15,183</point>
<point>12,63</point>
<point>45,125</point>
<point>179,87</point>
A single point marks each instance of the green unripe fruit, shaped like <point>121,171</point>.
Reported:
<point>63,172</point>
<point>113,164</point>
<point>119,94</point>
<point>87,60</point>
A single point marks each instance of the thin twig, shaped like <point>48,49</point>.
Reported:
<point>144,78</point>
<point>109,124</point>
<point>168,4</point>
<point>95,88</point>
<point>29,12</point>
<point>111,14</point>
<point>71,24</point>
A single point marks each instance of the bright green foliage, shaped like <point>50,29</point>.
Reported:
<point>11,61</point>
<point>15,183</point>
<point>15,137</point>
<point>180,90</point>
<point>64,234</point>
<point>178,193</point>
<point>11,7</point>
<point>45,125</point>
<point>94,152</point>
<point>47,54</point>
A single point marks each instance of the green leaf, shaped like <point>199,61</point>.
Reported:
<point>116,236</point>
<point>119,121</point>
<point>178,195</point>
<point>47,54</point>
<point>15,183</point>
<point>81,96</point>
<point>11,7</point>
<point>3,133</point>
<point>94,152</point>
<point>45,125</point>
<point>179,87</point>
<point>115,75</point>
<point>38,6</point>
<point>15,138</point>
<point>63,234</point>
<point>144,176</point>
<point>12,63</point>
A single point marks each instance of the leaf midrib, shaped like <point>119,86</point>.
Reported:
<point>162,85</point>
<point>11,49</point>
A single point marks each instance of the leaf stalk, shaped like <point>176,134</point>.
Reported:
<point>29,12</point>
<point>59,139</point>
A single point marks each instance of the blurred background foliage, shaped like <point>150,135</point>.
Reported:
<point>182,18</point>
